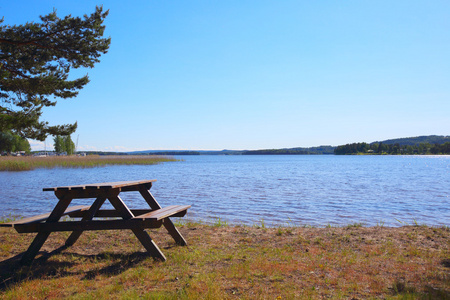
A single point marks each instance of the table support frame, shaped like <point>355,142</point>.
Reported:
<point>111,193</point>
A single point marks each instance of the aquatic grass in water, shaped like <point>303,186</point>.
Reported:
<point>14,165</point>
<point>10,163</point>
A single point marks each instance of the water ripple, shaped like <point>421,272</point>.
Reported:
<point>295,190</point>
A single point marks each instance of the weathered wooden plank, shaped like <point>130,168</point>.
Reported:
<point>140,233</point>
<point>174,233</point>
<point>41,237</point>
<point>135,188</point>
<point>127,185</point>
<point>148,244</point>
<point>85,194</point>
<point>110,213</point>
<point>89,225</point>
<point>145,193</point>
<point>79,209</point>
<point>123,210</point>
<point>165,212</point>
<point>88,215</point>
<point>168,224</point>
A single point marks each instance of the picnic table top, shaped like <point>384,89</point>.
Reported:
<point>103,185</point>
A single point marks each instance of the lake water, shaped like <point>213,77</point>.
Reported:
<point>275,190</point>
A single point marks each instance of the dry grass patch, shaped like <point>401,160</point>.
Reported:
<point>235,262</point>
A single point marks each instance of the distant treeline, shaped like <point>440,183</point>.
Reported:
<point>103,153</point>
<point>275,152</point>
<point>292,151</point>
<point>143,153</point>
<point>430,144</point>
<point>382,148</point>
<point>176,153</point>
<point>413,141</point>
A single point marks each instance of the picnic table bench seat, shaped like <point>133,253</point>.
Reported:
<point>144,218</point>
<point>43,217</point>
<point>165,212</point>
<point>172,210</point>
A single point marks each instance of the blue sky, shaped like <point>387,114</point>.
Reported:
<point>257,74</point>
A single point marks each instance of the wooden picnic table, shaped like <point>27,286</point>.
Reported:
<point>135,219</point>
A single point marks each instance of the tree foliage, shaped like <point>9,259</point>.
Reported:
<point>58,144</point>
<point>35,61</point>
<point>13,143</point>
<point>64,144</point>
<point>375,148</point>
<point>69,145</point>
<point>424,139</point>
<point>292,151</point>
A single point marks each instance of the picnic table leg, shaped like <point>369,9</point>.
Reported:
<point>141,234</point>
<point>149,244</point>
<point>168,224</point>
<point>88,216</point>
<point>42,236</point>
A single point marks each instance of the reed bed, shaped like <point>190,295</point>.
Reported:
<point>26,163</point>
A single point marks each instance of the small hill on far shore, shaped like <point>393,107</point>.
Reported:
<point>411,141</point>
<point>425,145</point>
<point>292,151</point>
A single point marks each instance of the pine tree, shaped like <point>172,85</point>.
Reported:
<point>35,61</point>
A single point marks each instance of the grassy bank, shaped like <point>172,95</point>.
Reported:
<point>25,163</point>
<point>235,262</point>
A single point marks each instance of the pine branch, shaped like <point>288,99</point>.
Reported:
<point>18,73</point>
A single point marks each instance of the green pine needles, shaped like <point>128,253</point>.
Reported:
<point>35,61</point>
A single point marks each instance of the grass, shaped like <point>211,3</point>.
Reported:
<point>235,262</point>
<point>26,163</point>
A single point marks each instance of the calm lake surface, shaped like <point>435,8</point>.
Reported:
<point>276,190</point>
